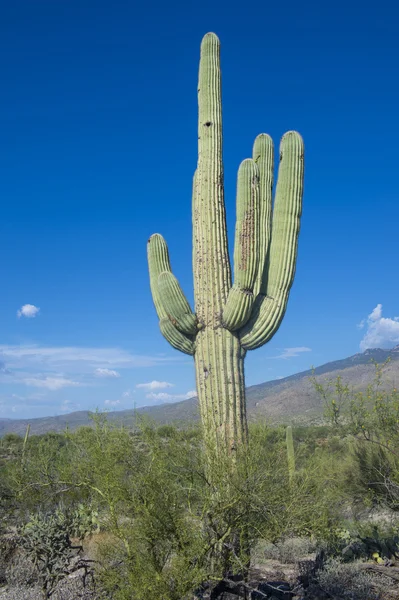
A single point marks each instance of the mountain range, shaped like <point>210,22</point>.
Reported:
<point>292,399</point>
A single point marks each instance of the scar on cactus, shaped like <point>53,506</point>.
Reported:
<point>231,315</point>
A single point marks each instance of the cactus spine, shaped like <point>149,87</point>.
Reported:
<point>290,452</point>
<point>230,318</point>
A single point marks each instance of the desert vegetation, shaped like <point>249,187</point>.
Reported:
<point>106,512</point>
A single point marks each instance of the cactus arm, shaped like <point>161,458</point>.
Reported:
<point>158,262</point>
<point>279,272</point>
<point>175,303</point>
<point>246,247</point>
<point>176,338</point>
<point>263,155</point>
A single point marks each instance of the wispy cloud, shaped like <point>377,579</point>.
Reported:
<point>292,352</point>
<point>381,332</point>
<point>28,310</point>
<point>35,403</point>
<point>50,383</point>
<point>112,402</point>
<point>53,369</point>
<point>106,373</point>
<point>165,397</point>
<point>3,368</point>
<point>77,359</point>
<point>155,385</point>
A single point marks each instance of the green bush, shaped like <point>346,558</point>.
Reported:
<point>344,581</point>
<point>167,527</point>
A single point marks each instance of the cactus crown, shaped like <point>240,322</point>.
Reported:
<point>253,305</point>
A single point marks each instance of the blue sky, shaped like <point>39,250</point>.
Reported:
<point>98,120</point>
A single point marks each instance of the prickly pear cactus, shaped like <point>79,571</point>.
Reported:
<point>230,317</point>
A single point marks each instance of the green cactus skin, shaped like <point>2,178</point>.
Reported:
<point>175,303</point>
<point>290,452</point>
<point>229,318</point>
<point>246,248</point>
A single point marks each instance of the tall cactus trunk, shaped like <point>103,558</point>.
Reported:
<point>219,359</point>
<point>219,367</point>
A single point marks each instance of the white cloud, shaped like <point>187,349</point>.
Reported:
<point>106,373</point>
<point>28,310</point>
<point>381,332</point>
<point>77,359</point>
<point>376,313</point>
<point>155,385</point>
<point>165,397</point>
<point>37,396</point>
<point>50,383</point>
<point>292,352</point>
<point>53,369</point>
<point>112,402</point>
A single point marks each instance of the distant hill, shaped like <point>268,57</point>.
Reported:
<point>292,399</point>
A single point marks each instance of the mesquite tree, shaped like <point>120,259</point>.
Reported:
<point>230,318</point>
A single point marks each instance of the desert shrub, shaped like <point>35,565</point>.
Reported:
<point>10,446</point>
<point>171,526</point>
<point>7,505</point>
<point>290,550</point>
<point>15,567</point>
<point>160,551</point>
<point>311,502</point>
<point>371,476</point>
<point>166,431</point>
<point>47,543</point>
<point>20,570</point>
<point>369,422</point>
<point>33,478</point>
<point>344,581</point>
<point>181,531</point>
<point>310,438</point>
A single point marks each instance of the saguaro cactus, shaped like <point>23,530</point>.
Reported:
<point>290,452</point>
<point>230,318</point>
